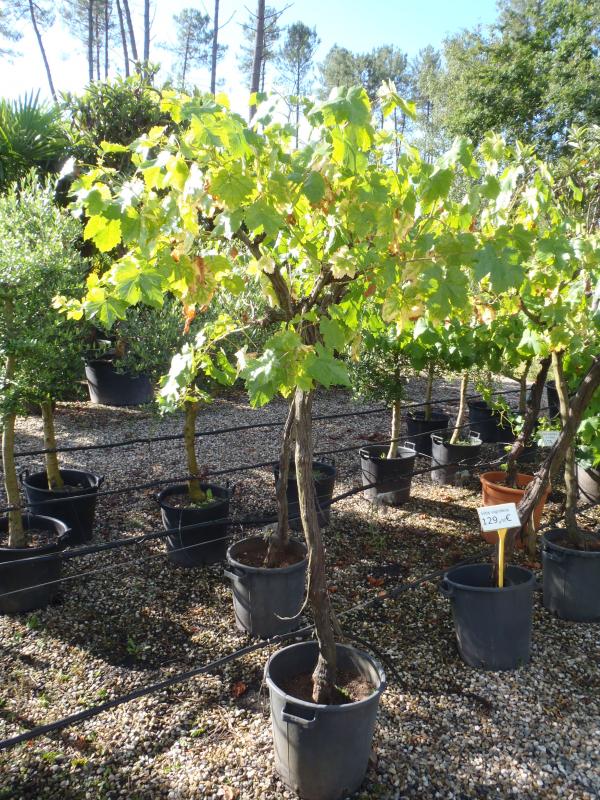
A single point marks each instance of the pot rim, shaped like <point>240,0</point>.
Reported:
<point>531,581</point>
<point>436,416</point>
<point>485,478</point>
<point>60,529</point>
<point>363,452</point>
<point>98,479</point>
<point>181,488</point>
<point>567,550</point>
<point>265,570</point>
<point>474,441</point>
<point>331,469</point>
<point>321,707</point>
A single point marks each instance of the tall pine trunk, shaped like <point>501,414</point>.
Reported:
<point>134,51</point>
<point>90,42</point>
<point>106,21</point>
<point>123,38</point>
<point>215,50</point>
<point>42,49</point>
<point>55,481</point>
<point>146,32</point>
<point>259,47</point>
<point>325,671</point>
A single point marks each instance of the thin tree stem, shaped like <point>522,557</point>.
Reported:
<point>55,481</point>
<point>196,493</point>
<point>570,469</point>
<point>395,431</point>
<point>462,409</point>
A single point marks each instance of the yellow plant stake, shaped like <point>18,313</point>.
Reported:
<point>501,536</point>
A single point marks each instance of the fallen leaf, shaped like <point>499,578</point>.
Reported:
<point>229,793</point>
<point>375,581</point>
<point>238,689</point>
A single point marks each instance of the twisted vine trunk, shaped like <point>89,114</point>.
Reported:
<point>195,491</point>
<point>535,490</point>
<point>55,480</point>
<point>16,532</point>
<point>570,469</point>
<point>395,431</point>
<point>279,539</point>
<point>533,410</point>
<point>429,393</point>
<point>523,388</point>
<point>462,409</point>
<point>325,671</point>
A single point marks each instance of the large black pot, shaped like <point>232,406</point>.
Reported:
<point>322,752</point>
<point>448,459</point>
<point>392,476</point>
<point>492,625</point>
<point>488,423</point>
<point>111,388</point>
<point>324,484</point>
<point>419,429</point>
<point>588,481</point>
<point>17,574</point>
<point>571,580</point>
<point>193,540</point>
<point>76,507</point>
<point>266,599</point>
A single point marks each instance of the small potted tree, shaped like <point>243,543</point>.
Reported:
<point>37,257</point>
<point>378,374</point>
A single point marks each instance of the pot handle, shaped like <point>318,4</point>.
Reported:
<point>233,573</point>
<point>552,556</point>
<point>23,474</point>
<point>445,589</point>
<point>100,480</point>
<point>436,439</point>
<point>326,460</point>
<point>410,446</point>
<point>294,719</point>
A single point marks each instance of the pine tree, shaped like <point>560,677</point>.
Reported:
<point>271,36</point>
<point>295,61</point>
<point>193,47</point>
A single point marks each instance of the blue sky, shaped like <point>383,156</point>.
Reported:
<point>357,25</point>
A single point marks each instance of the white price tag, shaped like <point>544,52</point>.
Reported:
<point>496,518</point>
<point>549,438</point>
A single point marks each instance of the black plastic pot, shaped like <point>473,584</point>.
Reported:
<point>76,508</point>
<point>419,429</point>
<point>111,388</point>
<point>493,626</point>
<point>17,574</point>
<point>571,580</point>
<point>261,595</point>
<point>322,752</point>
<point>188,545</point>
<point>488,423</point>
<point>323,491</point>
<point>393,476</point>
<point>553,401</point>
<point>445,457</point>
<point>588,481</point>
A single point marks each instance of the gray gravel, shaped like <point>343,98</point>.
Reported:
<point>444,730</point>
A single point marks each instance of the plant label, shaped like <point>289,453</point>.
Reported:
<point>548,438</point>
<point>495,518</point>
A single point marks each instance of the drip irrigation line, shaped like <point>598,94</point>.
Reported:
<point>215,473</point>
<point>253,522</point>
<point>183,677</point>
<point>238,428</point>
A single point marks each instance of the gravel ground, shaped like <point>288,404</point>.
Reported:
<point>444,730</point>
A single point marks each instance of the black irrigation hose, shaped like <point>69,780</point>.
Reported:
<point>237,428</point>
<point>182,677</point>
<point>227,471</point>
<point>252,522</point>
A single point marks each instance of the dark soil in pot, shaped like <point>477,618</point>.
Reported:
<point>324,477</point>
<point>75,505</point>
<point>197,537</point>
<point>109,387</point>
<point>571,577</point>
<point>392,476</point>
<point>49,536</point>
<point>322,752</point>
<point>492,625</point>
<point>419,429</point>
<point>449,459</point>
<point>263,597</point>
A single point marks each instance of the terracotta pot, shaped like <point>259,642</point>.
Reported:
<point>495,492</point>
